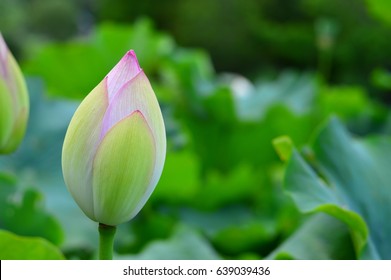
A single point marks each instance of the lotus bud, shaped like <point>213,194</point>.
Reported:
<point>115,145</point>
<point>14,102</point>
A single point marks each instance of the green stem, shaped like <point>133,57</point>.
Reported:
<point>106,241</point>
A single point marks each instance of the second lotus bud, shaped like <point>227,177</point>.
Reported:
<point>14,102</point>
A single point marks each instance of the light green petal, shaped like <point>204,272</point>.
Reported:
<point>6,116</point>
<point>123,169</point>
<point>80,145</point>
<point>139,95</point>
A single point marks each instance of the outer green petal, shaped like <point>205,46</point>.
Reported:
<point>80,145</point>
<point>17,133</point>
<point>20,88</point>
<point>6,116</point>
<point>122,170</point>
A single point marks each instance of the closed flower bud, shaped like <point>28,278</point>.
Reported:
<point>14,102</point>
<point>115,146</point>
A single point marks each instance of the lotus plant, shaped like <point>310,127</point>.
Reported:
<point>14,101</point>
<point>114,149</point>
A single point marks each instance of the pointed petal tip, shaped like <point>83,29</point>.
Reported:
<point>131,58</point>
<point>132,53</point>
<point>124,71</point>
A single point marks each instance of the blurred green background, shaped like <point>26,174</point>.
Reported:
<point>231,76</point>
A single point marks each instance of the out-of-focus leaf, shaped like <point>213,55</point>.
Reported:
<point>180,179</point>
<point>283,146</point>
<point>190,70</point>
<point>22,212</point>
<point>220,106</point>
<point>14,247</point>
<point>223,146</point>
<point>354,186</point>
<point>114,40</point>
<point>352,105</point>
<point>189,76</point>
<point>321,237</point>
<point>211,223</point>
<point>66,68</point>
<point>233,230</point>
<point>223,189</point>
<point>248,238</point>
<point>380,9</point>
<point>345,101</point>
<point>252,142</point>
<point>381,78</point>
<point>149,225</point>
<point>296,92</point>
<point>184,244</point>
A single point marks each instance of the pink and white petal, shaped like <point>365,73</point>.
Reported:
<point>80,145</point>
<point>125,70</point>
<point>139,95</point>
